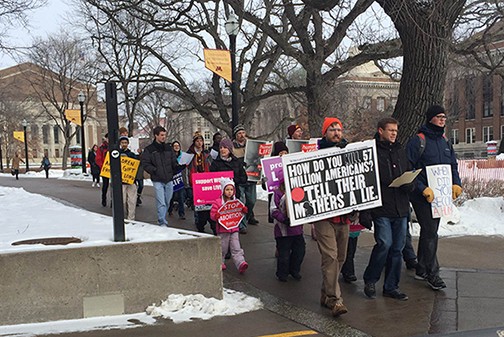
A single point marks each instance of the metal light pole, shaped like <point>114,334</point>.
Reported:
<point>232,29</point>
<point>82,98</point>
<point>25,124</point>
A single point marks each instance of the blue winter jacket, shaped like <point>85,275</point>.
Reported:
<point>437,151</point>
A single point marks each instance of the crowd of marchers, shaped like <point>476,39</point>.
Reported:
<point>337,236</point>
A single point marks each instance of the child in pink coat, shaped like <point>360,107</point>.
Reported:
<point>230,239</point>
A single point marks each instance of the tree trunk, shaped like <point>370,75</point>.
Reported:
<point>426,34</point>
<point>316,102</point>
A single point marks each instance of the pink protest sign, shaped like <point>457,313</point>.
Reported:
<point>207,187</point>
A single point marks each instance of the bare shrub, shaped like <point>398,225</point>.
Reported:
<point>480,188</point>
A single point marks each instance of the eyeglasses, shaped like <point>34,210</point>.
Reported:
<point>441,117</point>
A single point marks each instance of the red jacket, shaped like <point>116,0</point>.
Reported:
<point>101,153</point>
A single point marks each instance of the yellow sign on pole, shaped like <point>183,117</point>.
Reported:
<point>19,135</point>
<point>219,62</point>
<point>129,168</point>
<point>73,116</point>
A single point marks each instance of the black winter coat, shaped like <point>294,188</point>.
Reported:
<point>235,165</point>
<point>392,163</point>
<point>160,162</point>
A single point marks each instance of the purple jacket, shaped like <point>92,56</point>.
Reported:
<point>278,211</point>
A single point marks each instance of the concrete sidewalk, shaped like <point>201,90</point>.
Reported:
<point>472,267</point>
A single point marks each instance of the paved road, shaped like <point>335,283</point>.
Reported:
<point>472,267</point>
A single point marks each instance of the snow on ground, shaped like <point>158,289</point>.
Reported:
<point>176,307</point>
<point>180,308</point>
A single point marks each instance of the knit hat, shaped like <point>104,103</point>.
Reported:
<point>279,147</point>
<point>292,128</point>
<point>227,143</point>
<point>432,111</point>
<point>328,121</point>
<point>225,182</point>
<point>196,136</point>
<point>123,138</point>
<point>238,128</point>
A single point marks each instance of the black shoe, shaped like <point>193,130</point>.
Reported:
<point>253,221</point>
<point>104,202</point>
<point>349,278</point>
<point>421,277</point>
<point>436,282</point>
<point>228,255</point>
<point>296,276</point>
<point>396,294</point>
<point>370,290</point>
<point>243,231</point>
<point>411,264</point>
<point>281,278</point>
<point>139,201</point>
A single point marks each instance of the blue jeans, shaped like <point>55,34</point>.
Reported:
<point>163,192</point>
<point>390,237</point>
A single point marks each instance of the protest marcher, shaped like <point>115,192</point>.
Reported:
<point>348,268</point>
<point>227,161</point>
<point>99,159</point>
<point>248,192</point>
<point>199,164</point>
<point>214,150</point>
<point>179,196</point>
<point>430,147</point>
<point>15,165</point>
<point>290,242</point>
<point>332,234</point>
<point>295,132</point>
<point>279,149</point>
<point>230,239</point>
<point>46,165</point>
<point>95,169</point>
<point>160,162</point>
<point>391,219</point>
<point>129,191</point>
<point>139,180</point>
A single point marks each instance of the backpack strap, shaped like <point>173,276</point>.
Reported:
<point>421,135</point>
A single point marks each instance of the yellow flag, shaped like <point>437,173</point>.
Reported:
<point>73,116</point>
<point>19,135</point>
<point>219,62</point>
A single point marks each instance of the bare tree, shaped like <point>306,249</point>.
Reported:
<point>426,32</point>
<point>62,71</point>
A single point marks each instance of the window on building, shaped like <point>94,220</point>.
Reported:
<point>56,134</point>
<point>206,124</point>
<point>45,134</point>
<point>393,102</point>
<point>77,134</point>
<point>380,103</point>
<point>198,122</point>
<point>367,102</point>
<point>455,136</point>
<point>48,152</point>
<point>487,133</point>
<point>502,132</point>
<point>34,131</point>
<point>34,153</point>
<point>56,153</point>
<point>470,135</point>
<point>470,94</point>
<point>487,96</point>
<point>206,136</point>
<point>455,108</point>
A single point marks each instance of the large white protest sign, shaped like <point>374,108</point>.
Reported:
<point>255,150</point>
<point>439,178</point>
<point>331,182</point>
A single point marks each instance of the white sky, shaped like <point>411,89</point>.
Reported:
<point>42,22</point>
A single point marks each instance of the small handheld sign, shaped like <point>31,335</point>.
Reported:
<point>231,214</point>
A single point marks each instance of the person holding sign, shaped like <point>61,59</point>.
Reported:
<point>430,147</point>
<point>160,162</point>
<point>391,219</point>
<point>228,231</point>
<point>129,191</point>
<point>332,234</point>
<point>100,159</point>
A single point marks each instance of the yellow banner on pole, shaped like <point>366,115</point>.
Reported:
<point>129,168</point>
<point>19,135</point>
<point>73,115</point>
<point>219,62</point>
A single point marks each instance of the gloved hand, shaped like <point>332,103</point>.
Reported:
<point>365,219</point>
<point>245,209</point>
<point>456,191</point>
<point>428,193</point>
<point>287,222</point>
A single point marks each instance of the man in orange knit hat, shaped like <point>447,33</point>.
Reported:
<point>332,234</point>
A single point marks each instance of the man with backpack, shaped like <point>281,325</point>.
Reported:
<point>430,147</point>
